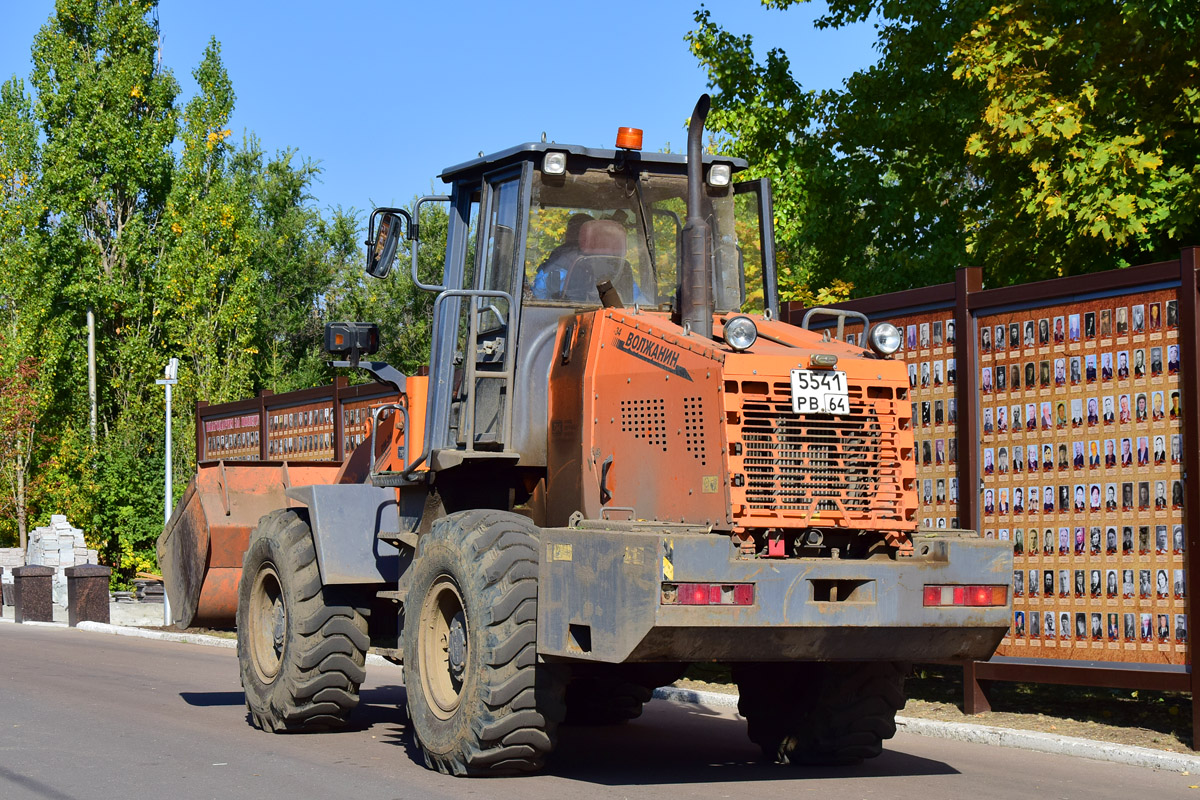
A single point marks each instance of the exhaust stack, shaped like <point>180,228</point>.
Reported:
<point>695,279</point>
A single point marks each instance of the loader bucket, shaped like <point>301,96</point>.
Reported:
<point>201,548</point>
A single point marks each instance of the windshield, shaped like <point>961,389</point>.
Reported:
<point>589,227</point>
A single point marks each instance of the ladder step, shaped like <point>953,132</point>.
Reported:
<point>399,538</point>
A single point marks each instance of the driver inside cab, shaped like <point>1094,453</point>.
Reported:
<point>593,251</point>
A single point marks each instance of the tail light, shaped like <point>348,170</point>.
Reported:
<point>708,594</point>
<point>971,596</point>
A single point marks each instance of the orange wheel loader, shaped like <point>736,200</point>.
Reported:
<point>621,462</point>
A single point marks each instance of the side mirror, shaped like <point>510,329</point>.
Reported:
<point>384,239</point>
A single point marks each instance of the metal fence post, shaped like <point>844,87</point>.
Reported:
<point>1189,382</point>
<point>966,353</point>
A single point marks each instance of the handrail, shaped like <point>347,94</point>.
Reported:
<point>447,364</point>
<point>375,412</point>
<point>415,230</point>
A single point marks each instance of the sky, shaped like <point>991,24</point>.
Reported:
<point>385,95</point>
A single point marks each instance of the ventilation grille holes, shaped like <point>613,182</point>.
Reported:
<point>645,419</point>
<point>693,427</point>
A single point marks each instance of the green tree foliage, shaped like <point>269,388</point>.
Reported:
<point>209,295</point>
<point>1089,135</point>
<point>185,244</point>
<point>403,311</point>
<point>107,120</point>
<point>960,144</point>
<point>23,382</point>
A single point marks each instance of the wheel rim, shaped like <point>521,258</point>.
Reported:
<point>442,647</point>
<point>268,624</point>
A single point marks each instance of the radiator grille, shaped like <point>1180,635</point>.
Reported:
<point>843,466</point>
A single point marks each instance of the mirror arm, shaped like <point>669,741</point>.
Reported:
<point>379,370</point>
<point>408,226</point>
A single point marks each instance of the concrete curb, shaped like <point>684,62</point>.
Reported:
<point>166,636</point>
<point>36,624</point>
<point>187,638</point>
<point>1052,743</point>
<point>989,735</point>
<point>957,731</point>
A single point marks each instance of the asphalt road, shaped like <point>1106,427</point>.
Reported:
<point>90,715</point>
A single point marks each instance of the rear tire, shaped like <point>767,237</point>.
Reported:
<point>479,701</point>
<point>828,714</point>
<point>301,646</point>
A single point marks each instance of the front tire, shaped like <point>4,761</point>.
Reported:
<point>301,647</point>
<point>826,714</point>
<point>479,701</point>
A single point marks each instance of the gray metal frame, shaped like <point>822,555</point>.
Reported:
<point>447,308</point>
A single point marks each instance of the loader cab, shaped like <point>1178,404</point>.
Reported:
<point>532,231</point>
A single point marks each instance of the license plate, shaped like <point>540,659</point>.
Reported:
<point>819,392</point>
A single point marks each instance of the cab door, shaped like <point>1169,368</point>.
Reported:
<point>482,413</point>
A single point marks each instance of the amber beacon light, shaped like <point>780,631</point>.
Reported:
<point>629,138</point>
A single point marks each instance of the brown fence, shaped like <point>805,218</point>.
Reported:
<point>319,424</point>
<point>1061,416</point>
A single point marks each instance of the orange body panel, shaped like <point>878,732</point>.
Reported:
<point>635,416</point>
<point>678,428</point>
<point>391,458</point>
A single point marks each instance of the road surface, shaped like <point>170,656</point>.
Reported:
<point>91,715</point>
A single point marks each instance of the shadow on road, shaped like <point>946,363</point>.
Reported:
<point>692,745</point>
<point>669,744</point>
<point>214,698</point>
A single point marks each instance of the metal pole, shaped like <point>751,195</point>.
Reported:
<point>167,466</point>
<point>91,355</point>
<point>170,380</point>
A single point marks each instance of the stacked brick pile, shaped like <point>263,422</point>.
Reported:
<point>59,545</point>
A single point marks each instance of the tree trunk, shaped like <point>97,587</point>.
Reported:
<point>21,515</point>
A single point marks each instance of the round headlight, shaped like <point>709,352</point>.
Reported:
<point>741,333</point>
<point>885,338</point>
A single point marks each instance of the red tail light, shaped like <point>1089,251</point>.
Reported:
<point>708,594</point>
<point>976,596</point>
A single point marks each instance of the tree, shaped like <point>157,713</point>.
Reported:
<point>19,414</point>
<point>946,151</point>
<point>209,296</point>
<point>1089,134</point>
<point>23,382</point>
<point>107,118</point>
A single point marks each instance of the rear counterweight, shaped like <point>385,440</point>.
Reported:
<point>601,599</point>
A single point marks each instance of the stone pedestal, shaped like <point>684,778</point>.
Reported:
<point>32,594</point>
<point>87,594</point>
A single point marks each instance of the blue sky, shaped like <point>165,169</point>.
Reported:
<point>386,94</point>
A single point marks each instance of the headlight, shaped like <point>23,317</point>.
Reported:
<point>554,163</point>
<point>741,333</point>
<point>885,338</point>
<point>719,175</point>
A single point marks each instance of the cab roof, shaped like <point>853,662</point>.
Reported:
<point>594,157</point>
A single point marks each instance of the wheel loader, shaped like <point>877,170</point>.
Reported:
<point>621,462</point>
